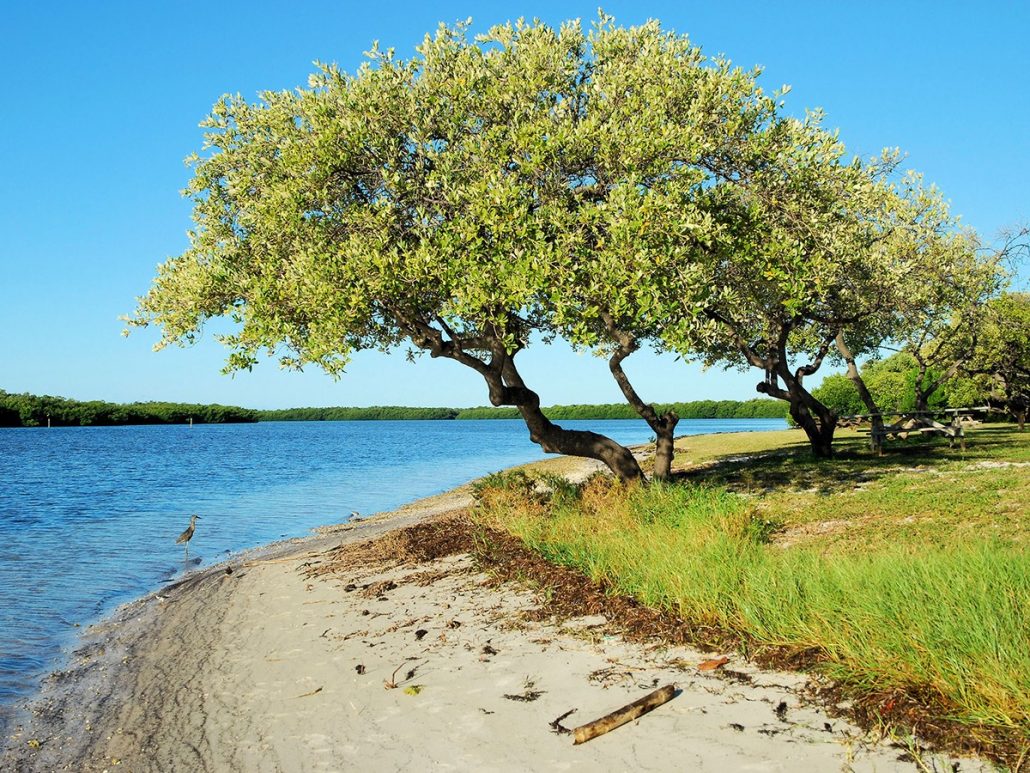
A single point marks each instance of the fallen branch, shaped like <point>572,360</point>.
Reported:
<point>626,714</point>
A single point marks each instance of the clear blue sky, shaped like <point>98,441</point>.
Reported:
<point>101,103</point>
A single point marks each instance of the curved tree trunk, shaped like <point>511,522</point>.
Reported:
<point>876,418</point>
<point>574,442</point>
<point>818,421</point>
<point>820,431</point>
<point>506,387</point>
<point>510,389</point>
<point>663,425</point>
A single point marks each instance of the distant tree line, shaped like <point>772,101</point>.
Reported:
<point>698,409</point>
<point>372,413</point>
<point>25,410</point>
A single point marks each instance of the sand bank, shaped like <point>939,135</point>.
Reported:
<point>323,654</point>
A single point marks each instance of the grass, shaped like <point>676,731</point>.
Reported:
<point>906,574</point>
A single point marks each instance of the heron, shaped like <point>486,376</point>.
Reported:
<point>187,535</point>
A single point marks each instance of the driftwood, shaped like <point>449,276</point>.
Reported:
<point>626,714</point>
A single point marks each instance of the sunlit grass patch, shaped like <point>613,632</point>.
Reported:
<point>919,584</point>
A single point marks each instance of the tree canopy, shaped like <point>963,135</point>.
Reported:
<point>613,186</point>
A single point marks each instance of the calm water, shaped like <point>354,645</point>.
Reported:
<point>89,515</point>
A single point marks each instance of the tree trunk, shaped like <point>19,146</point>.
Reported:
<point>820,432</point>
<point>876,418</point>
<point>664,442</point>
<point>510,389</point>
<point>663,426</point>
<point>506,387</point>
<point>573,442</point>
<point>818,421</point>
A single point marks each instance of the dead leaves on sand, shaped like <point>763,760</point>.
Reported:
<point>713,664</point>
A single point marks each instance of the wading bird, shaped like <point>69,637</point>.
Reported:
<point>187,535</point>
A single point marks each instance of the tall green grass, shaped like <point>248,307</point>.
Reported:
<point>948,619</point>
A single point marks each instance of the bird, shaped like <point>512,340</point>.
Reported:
<point>187,535</point>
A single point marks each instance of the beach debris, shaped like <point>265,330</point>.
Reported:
<point>413,689</point>
<point>454,624</point>
<point>714,663</point>
<point>610,675</point>
<point>627,713</point>
<point>34,743</point>
<point>556,725</point>
<point>316,691</point>
<point>488,650</point>
<point>360,669</point>
<point>420,633</point>
<point>392,683</point>
<point>378,589</point>
<point>529,695</point>
<point>737,726</point>
<point>781,711</point>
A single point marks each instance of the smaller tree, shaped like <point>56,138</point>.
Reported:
<point>1002,353</point>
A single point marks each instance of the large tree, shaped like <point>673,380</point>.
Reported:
<point>453,203</point>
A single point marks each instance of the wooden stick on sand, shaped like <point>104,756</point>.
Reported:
<point>626,714</point>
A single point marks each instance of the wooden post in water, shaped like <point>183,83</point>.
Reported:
<point>191,422</point>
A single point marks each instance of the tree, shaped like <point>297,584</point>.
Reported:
<point>820,253</point>
<point>426,203</point>
<point>1002,353</point>
<point>390,207</point>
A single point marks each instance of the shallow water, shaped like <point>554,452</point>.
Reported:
<point>89,515</point>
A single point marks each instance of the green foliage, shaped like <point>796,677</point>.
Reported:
<point>25,410</point>
<point>1001,357</point>
<point>838,393</point>
<point>511,481</point>
<point>891,382</point>
<point>613,186</point>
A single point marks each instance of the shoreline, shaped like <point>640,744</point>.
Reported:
<point>97,671</point>
<point>188,677</point>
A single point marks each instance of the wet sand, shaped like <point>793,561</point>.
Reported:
<point>298,658</point>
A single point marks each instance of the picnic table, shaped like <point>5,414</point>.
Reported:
<point>901,423</point>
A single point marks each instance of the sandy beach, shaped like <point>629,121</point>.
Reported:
<point>351,650</point>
